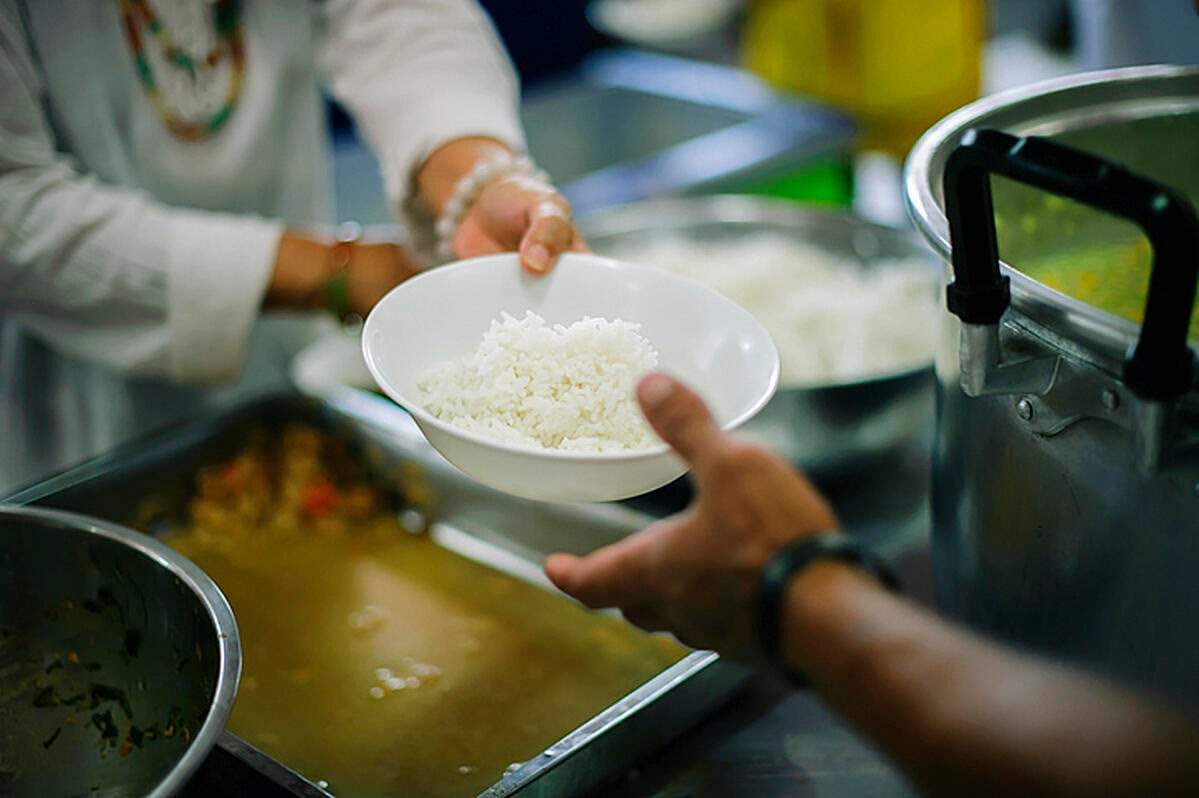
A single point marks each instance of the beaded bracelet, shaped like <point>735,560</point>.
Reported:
<point>787,563</point>
<point>469,186</point>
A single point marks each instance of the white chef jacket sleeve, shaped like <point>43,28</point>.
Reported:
<point>107,273</point>
<point>416,74</point>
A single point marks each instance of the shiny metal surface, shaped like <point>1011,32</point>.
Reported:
<point>119,659</point>
<point>1056,539</point>
<point>1065,508</point>
<point>502,531</point>
<point>824,429</point>
<point>1146,118</point>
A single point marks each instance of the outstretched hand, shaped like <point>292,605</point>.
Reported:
<point>694,574</point>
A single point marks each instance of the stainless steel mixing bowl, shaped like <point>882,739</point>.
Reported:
<point>119,659</point>
<point>829,429</point>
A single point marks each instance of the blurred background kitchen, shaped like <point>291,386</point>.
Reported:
<point>649,113</point>
<point>815,100</point>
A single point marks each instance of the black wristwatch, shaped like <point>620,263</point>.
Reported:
<point>785,564</point>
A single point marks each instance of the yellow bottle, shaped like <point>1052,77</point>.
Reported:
<point>897,65</point>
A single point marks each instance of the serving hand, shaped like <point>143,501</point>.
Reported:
<point>523,214</point>
<point>505,205</point>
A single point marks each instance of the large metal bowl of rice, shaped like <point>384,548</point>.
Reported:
<point>853,308</point>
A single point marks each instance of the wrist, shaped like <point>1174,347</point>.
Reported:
<point>486,171</point>
<point>437,177</point>
<point>813,612</point>
<point>336,289</point>
<point>300,271</point>
<point>449,183</point>
<point>310,272</point>
<point>796,585</point>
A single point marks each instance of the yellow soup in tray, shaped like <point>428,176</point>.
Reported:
<point>377,660</point>
<point>1112,277</point>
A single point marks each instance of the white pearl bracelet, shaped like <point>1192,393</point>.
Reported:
<point>469,186</point>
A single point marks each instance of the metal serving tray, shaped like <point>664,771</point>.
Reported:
<point>510,534</point>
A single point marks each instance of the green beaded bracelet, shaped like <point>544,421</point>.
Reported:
<point>785,564</point>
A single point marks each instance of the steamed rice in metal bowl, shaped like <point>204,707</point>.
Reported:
<point>530,383</point>
<point>834,319</point>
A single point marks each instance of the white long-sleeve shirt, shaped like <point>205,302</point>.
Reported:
<point>133,263</point>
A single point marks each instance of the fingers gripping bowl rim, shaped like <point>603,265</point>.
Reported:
<point>702,338</point>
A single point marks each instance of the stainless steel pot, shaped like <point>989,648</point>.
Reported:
<point>119,659</point>
<point>1065,477</point>
<point>830,429</point>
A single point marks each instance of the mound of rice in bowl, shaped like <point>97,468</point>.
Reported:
<point>529,383</point>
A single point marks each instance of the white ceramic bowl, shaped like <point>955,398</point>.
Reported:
<point>701,337</point>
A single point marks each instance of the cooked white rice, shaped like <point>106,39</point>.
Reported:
<point>832,320</point>
<point>548,386</point>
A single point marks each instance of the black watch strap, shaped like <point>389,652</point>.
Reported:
<point>785,564</point>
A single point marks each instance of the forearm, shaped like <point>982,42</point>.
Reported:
<point>368,265</point>
<point>416,76</point>
<point>303,267</point>
<point>961,715</point>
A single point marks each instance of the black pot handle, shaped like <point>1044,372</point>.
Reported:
<point>1159,365</point>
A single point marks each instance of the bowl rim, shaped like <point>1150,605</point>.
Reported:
<point>422,416</point>
<point>220,613</point>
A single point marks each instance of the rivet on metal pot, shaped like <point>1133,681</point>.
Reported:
<point>1110,400</point>
<point>1024,409</point>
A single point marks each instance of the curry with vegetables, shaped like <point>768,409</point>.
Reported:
<point>375,660</point>
<point>1113,278</point>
